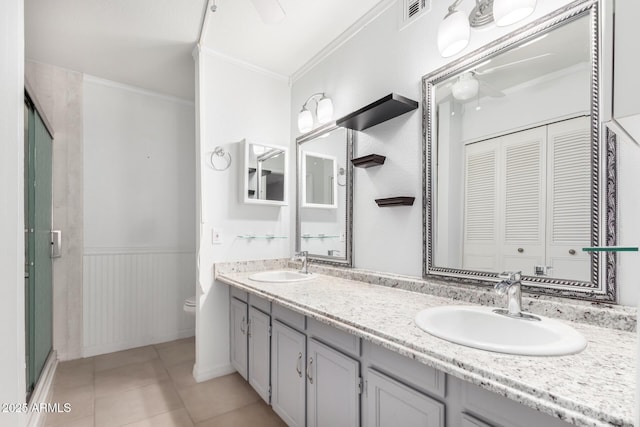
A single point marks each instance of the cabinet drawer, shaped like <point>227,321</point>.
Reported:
<point>260,303</point>
<point>409,371</point>
<point>237,293</point>
<point>391,403</point>
<point>288,317</point>
<point>336,338</point>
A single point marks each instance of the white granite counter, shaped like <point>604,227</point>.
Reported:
<point>593,388</point>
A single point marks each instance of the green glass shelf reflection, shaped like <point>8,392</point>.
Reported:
<point>610,249</point>
<point>319,236</point>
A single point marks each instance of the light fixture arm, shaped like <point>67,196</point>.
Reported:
<point>324,112</point>
<point>452,8</point>
<point>317,96</point>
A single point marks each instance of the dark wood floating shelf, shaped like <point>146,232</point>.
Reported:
<point>368,161</point>
<point>392,105</point>
<point>396,201</point>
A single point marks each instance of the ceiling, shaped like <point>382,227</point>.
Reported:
<point>145,43</point>
<point>149,43</point>
<point>235,29</point>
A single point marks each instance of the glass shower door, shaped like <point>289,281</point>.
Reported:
<point>39,292</point>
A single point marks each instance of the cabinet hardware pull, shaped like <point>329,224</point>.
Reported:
<point>520,250</point>
<point>242,326</point>
<point>299,365</point>
<point>572,251</point>
<point>309,367</point>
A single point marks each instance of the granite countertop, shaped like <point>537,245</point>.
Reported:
<point>593,388</point>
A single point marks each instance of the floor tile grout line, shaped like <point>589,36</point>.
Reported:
<point>232,410</point>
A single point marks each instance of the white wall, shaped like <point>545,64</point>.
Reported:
<point>139,211</point>
<point>12,360</point>
<point>627,87</point>
<point>234,102</point>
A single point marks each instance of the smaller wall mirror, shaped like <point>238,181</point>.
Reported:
<point>325,194</point>
<point>319,181</point>
<point>264,174</point>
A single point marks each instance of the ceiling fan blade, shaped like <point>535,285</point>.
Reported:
<point>487,89</point>
<point>270,11</point>
<point>510,64</point>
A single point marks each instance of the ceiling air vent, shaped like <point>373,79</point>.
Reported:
<point>411,10</point>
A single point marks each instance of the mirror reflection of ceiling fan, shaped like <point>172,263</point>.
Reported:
<point>471,84</point>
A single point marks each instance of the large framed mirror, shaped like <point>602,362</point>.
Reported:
<point>518,175</point>
<point>264,175</point>
<point>325,194</point>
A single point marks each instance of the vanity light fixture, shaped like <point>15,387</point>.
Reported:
<point>454,31</point>
<point>507,12</point>
<point>324,112</point>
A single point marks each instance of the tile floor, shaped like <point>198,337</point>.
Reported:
<point>153,386</point>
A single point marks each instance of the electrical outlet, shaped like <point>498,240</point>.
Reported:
<point>216,237</point>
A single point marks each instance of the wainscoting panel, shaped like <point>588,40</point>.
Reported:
<point>134,298</point>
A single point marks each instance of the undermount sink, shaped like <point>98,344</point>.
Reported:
<point>281,276</point>
<point>481,328</point>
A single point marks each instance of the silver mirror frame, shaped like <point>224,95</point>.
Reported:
<point>602,286</point>
<point>347,260</point>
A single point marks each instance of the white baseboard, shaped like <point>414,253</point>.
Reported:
<point>43,390</point>
<point>104,349</point>
<point>202,375</point>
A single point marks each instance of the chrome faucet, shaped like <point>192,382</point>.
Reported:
<point>510,285</point>
<point>302,256</point>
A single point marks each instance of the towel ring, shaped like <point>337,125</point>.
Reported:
<point>224,155</point>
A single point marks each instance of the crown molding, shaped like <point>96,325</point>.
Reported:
<point>244,64</point>
<point>110,83</point>
<point>346,35</point>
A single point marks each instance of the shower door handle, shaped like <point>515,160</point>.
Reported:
<point>56,243</point>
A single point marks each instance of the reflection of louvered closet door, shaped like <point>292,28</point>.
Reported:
<point>569,198</point>
<point>522,174</point>
<point>527,201</point>
<point>481,244</point>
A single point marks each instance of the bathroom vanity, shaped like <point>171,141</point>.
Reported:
<point>342,352</point>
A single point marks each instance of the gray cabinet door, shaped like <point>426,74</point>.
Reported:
<point>259,352</point>
<point>391,403</point>
<point>239,344</point>
<point>333,387</point>
<point>287,374</point>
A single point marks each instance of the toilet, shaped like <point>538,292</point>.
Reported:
<point>190,305</point>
